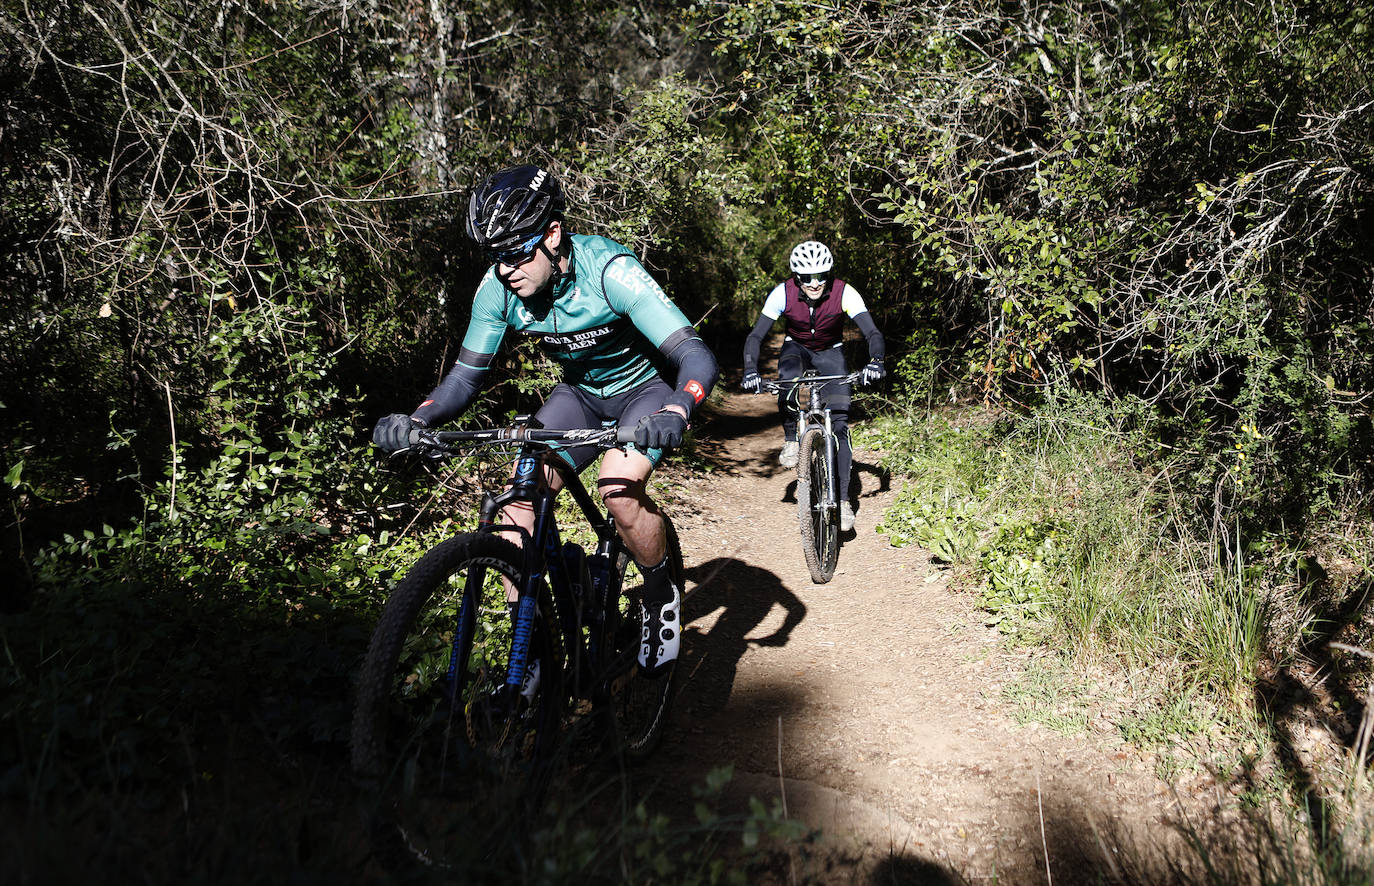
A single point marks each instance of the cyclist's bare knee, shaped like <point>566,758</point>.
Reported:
<point>636,515</point>
<point>626,500</point>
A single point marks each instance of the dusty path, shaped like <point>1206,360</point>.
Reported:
<point>872,703</point>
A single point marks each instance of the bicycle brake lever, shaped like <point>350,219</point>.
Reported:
<point>425,443</point>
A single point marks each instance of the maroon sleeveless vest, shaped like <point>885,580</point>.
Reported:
<point>814,328</point>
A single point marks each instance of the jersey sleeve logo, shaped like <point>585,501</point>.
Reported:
<point>694,388</point>
<point>635,279</point>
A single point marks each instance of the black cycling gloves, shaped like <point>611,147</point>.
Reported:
<point>751,383</point>
<point>660,430</point>
<point>392,433</point>
<point>872,373</point>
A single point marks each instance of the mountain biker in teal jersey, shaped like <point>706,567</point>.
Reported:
<point>813,305</point>
<point>626,352</point>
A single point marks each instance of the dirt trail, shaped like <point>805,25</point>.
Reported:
<point>872,703</point>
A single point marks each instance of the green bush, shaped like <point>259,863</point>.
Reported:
<point>1065,534</point>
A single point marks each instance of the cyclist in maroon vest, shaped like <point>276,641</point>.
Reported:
<point>813,305</point>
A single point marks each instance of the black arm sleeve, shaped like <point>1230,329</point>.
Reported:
<point>456,391</point>
<point>755,341</point>
<point>877,350</point>
<point>696,368</point>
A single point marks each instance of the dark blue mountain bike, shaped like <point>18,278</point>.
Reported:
<point>486,651</point>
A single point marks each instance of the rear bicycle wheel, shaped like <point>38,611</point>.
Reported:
<point>636,705</point>
<point>816,512</point>
<point>435,727</point>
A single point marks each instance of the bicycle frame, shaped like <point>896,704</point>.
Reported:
<point>542,550</point>
<point>817,415</point>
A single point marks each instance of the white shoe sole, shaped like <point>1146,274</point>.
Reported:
<point>669,635</point>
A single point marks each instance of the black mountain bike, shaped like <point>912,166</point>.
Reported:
<point>464,690</point>
<point>818,495</point>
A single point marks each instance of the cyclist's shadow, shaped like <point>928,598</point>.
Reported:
<point>745,595</point>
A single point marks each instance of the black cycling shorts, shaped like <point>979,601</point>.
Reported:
<point>570,407</point>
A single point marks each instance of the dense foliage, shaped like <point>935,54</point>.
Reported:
<point>225,225</point>
<point>1165,202</point>
<point>230,238</point>
<point>228,226</point>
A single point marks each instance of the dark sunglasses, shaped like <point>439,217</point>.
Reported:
<point>515,255</point>
<point>812,279</point>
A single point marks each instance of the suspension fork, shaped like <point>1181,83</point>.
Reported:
<point>528,484</point>
<point>461,647</point>
<point>831,457</point>
<point>529,481</point>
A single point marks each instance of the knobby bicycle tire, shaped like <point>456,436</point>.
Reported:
<point>637,705</point>
<point>819,518</point>
<point>431,735</point>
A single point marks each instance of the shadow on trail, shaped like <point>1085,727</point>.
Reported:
<point>901,870</point>
<point>878,472</point>
<point>745,595</point>
<point>717,442</point>
<point>1050,833</point>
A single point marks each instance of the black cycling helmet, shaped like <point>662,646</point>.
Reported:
<point>512,208</point>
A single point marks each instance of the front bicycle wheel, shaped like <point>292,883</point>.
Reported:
<point>816,511</point>
<point>435,725</point>
<point>637,705</point>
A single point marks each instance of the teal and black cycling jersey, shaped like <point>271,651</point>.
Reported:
<point>607,323</point>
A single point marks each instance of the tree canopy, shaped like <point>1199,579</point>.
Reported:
<point>232,232</point>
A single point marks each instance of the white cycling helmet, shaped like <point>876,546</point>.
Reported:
<point>812,258</point>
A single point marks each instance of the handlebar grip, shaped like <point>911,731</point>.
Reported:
<point>624,434</point>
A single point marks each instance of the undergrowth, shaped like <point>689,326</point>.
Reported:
<point>1066,533</point>
<point>159,735</point>
<point>1202,643</point>
<point>176,699</point>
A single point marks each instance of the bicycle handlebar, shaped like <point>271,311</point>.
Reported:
<point>773,385</point>
<point>442,441</point>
